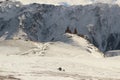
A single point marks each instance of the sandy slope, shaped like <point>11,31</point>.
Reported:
<point>11,47</point>
<point>35,68</point>
<point>78,59</point>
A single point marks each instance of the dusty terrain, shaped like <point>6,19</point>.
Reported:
<point>55,61</point>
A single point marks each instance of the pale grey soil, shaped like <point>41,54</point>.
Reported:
<point>8,78</point>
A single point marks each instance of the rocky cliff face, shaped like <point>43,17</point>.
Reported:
<point>99,23</point>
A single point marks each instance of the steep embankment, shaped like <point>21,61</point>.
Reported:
<point>99,23</point>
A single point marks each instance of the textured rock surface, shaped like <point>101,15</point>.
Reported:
<point>38,22</point>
